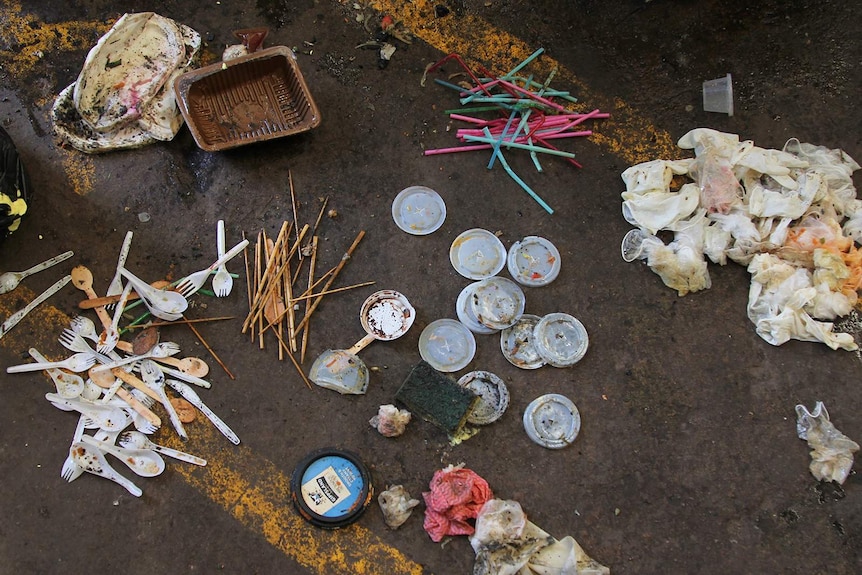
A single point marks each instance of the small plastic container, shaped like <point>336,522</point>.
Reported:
<point>447,345</point>
<point>418,210</point>
<point>477,254</point>
<point>718,95</point>
<point>341,371</point>
<point>331,488</point>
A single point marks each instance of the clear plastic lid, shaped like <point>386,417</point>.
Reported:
<point>534,261</point>
<point>418,210</point>
<point>552,421</point>
<point>560,339</point>
<point>465,312</point>
<point>516,342</point>
<point>497,302</point>
<point>447,345</point>
<point>477,254</point>
<point>492,393</point>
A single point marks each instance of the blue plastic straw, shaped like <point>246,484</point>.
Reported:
<point>502,137</point>
<point>519,181</point>
<point>529,59</point>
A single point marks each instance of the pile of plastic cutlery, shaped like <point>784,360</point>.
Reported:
<point>116,409</point>
<point>112,384</point>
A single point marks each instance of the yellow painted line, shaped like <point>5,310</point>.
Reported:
<point>627,134</point>
<point>33,39</point>
<point>249,487</point>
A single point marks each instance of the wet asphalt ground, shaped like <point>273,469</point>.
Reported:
<point>687,460</point>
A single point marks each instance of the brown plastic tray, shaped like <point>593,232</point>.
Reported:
<point>256,97</point>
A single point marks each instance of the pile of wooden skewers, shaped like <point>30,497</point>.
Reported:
<point>276,302</point>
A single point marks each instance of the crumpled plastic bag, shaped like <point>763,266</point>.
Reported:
<point>390,421</point>
<point>397,505</point>
<point>797,206</point>
<point>506,543</point>
<point>831,451</point>
<point>456,496</point>
<point>777,301</point>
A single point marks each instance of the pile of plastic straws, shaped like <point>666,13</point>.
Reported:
<point>527,116</point>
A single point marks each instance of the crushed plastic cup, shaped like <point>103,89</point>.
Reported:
<point>718,95</point>
<point>341,371</point>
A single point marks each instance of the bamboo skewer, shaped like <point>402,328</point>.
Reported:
<point>293,204</point>
<point>179,321</point>
<point>209,349</point>
<point>344,259</point>
<point>311,269</point>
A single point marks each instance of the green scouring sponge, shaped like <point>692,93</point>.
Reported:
<point>436,398</point>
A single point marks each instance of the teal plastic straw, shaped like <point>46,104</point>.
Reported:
<point>529,59</point>
<point>534,156</point>
<point>521,182</point>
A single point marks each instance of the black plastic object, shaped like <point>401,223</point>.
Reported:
<point>14,187</point>
<point>331,488</point>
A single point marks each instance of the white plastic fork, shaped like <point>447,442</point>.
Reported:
<point>222,280</point>
<point>71,470</point>
<point>161,349</point>
<point>108,340</point>
<point>190,284</point>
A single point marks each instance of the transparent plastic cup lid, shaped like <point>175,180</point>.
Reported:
<point>492,393</point>
<point>418,210</point>
<point>447,345</point>
<point>552,421</point>
<point>534,261</point>
<point>341,371</point>
<point>497,302</point>
<point>465,312</point>
<point>516,342</point>
<point>477,254</point>
<point>560,339</point>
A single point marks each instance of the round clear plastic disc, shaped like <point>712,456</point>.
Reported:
<point>465,311</point>
<point>552,421</point>
<point>418,210</point>
<point>497,302</point>
<point>492,393</point>
<point>447,345</point>
<point>534,261</point>
<point>516,342</point>
<point>477,254</point>
<point>560,339</point>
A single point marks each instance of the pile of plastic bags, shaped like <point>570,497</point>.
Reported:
<point>791,216</point>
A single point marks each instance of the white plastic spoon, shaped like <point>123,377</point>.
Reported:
<point>93,461</point>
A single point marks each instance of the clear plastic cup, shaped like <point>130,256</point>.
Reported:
<point>718,95</point>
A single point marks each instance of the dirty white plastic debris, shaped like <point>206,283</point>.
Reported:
<point>390,421</point>
<point>397,505</point>
<point>464,309</point>
<point>506,543</point>
<point>497,302</point>
<point>831,451</point>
